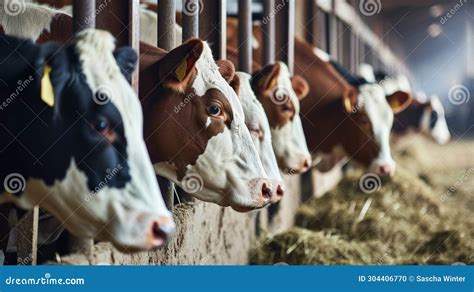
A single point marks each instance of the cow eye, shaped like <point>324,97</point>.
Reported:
<point>214,109</point>
<point>102,126</point>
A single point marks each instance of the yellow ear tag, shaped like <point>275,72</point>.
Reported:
<point>347,105</point>
<point>181,70</point>
<point>395,104</point>
<point>47,91</point>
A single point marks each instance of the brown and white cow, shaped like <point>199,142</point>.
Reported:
<point>259,128</point>
<point>186,98</point>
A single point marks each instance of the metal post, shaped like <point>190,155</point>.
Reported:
<point>83,14</point>
<point>166,24</point>
<point>268,27</point>
<point>122,19</point>
<point>285,37</point>
<point>212,27</point>
<point>245,36</point>
<point>191,11</point>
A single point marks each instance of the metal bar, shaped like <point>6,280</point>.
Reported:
<point>268,27</point>
<point>166,24</point>
<point>122,20</point>
<point>191,11</point>
<point>245,36</point>
<point>83,14</point>
<point>285,38</point>
<point>212,27</point>
<point>27,238</point>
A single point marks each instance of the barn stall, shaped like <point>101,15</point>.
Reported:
<point>208,234</point>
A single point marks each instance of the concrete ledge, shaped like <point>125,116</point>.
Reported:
<point>208,234</point>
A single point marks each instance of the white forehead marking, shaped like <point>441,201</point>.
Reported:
<point>208,77</point>
<point>31,23</point>
<point>208,122</point>
<point>367,72</point>
<point>325,57</point>
<point>372,100</point>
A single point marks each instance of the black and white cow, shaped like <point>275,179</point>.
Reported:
<point>71,140</point>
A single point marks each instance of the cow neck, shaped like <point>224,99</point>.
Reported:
<point>322,126</point>
<point>409,118</point>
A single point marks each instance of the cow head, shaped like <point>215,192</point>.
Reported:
<point>78,140</point>
<point>433,121</point>
<point>273,86</point>
<point>371,119</point>
<point>259,128</point>
<point>208,150</point>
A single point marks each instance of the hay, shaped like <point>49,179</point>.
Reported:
<point>406,221</point>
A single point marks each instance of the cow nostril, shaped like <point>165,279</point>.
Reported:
<point>161,233</point>
<point>266,192</point>
<point>280,191</point>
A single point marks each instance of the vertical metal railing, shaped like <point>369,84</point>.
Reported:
<point>268,28</point>
<point>191,10</point>
<point>166,24</point>
<point>212,26</point>
<point>245,35</point>
<point>285,38</point>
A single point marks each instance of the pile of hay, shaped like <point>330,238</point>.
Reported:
<point>405,221</point>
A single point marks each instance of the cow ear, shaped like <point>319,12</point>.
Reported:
<point>175,69</point>
<point>227,70</point>
<point>300,86</point>
<point>349,99</point>
<point>266,78</point>
<point>399,101</point>
<point>126,58</point>
<point>235,84</point>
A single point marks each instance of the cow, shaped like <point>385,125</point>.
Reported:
<point>423,116</point>
<point>379,108</point>
<point>209,152</point>
<point>330,121</point>
<point>71,139</point>
<point>259,128</point>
